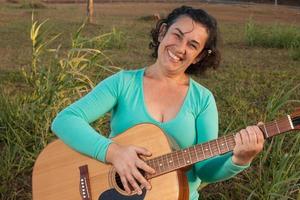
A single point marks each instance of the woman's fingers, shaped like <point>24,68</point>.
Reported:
<point>146,168</point>
<point>141,179</point>
<point>244,136</point>
<point>238,139</point>
<point>131,180</point>
<point>125,184</point>
<point>143,151</point>
<point>249,142</point>
<point>129,164</point>
<point>252,135</point>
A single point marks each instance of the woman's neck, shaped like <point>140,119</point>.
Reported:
<point>156,72</point>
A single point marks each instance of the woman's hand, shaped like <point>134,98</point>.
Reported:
<point>127,163</point>
<point>249,142</point>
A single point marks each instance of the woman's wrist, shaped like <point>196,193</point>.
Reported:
<point>111,151</point>
<point>239,161</point>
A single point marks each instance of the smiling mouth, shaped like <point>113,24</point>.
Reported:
<point>174,57</point>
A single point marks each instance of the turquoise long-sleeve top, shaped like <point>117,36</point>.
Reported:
<point>122,94</point>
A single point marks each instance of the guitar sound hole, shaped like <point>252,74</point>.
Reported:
<point>120,184</point>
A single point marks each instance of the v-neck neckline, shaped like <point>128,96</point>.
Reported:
<point>145,106</point>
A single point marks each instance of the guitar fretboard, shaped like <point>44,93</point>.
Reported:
<point>188,156</point>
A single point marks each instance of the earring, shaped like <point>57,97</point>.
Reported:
<point>209,51</point>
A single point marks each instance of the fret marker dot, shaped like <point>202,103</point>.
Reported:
<point>222,144</point>
<point>188,161</point>
<point>170,161</point>
<point>160,164</point>
<point>206,149</point>
<point>184,151</point>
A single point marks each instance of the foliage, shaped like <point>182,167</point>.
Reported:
<point>25,120</point>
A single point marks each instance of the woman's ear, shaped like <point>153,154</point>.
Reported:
<point>162,32</point>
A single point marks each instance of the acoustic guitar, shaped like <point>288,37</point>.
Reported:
<point>61,173</point>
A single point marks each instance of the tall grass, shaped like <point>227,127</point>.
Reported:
<point>275,175</point>
<point>51,84</point>
<point>274,36</point>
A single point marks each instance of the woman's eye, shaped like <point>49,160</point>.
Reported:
<point>193,46</point>
<point>177,35</point>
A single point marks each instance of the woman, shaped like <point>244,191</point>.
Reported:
<point>165,95</point>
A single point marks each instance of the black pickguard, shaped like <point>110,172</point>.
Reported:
<point>113,194</point>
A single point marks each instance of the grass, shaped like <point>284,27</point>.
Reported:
<point>274,36</point>
<point>254,83</point>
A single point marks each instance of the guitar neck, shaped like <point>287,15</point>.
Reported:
<point>185,157</point>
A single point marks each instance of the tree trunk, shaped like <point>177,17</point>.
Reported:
<point>90,11</point>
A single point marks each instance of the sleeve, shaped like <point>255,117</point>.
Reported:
<point>220,167</point>
<point>72,125</point>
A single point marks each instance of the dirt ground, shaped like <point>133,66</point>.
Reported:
<point>236,13</point>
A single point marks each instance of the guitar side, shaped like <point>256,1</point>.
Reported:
<point>56,170</point>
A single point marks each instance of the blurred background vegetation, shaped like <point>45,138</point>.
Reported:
<point>50,57</point>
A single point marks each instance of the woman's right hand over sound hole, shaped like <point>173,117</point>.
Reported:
<point>127,163</point>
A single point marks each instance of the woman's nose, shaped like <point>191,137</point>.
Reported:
<point>181,47</point>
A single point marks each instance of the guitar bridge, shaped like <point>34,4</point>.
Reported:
<point>84,183</point>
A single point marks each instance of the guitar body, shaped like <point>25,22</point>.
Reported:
<point>56,173</point>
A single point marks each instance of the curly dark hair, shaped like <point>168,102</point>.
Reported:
<point>211,56</point>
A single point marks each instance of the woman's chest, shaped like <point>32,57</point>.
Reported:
<point>163,102</point>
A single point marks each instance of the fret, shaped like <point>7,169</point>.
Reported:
<point>182,154</point>
<point>174,156</point>
<point>172,160</point>
<point>218,146</point>
<point>204,156</point>
<point>223,146</point>
<point>160,166</point>
<point>149,162</point>
<point>206,148</point>
<point>210,149</point>
<point>197,159</point>
<point>225,139</point>
<point>167,162</point>
<point>156,163</point>
<point>160,163</point>
<point>278,130</point>
<point>233,142</point>
<point>266,131</point>
<point>188,151</point>
<point>181,158</point>
<point>164,162</point>
<point>176,152</point>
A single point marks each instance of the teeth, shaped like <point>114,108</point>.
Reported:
<point>173,56</point>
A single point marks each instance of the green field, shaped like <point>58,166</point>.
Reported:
<point>258,80</point>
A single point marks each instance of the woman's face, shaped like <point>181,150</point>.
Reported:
<point>181,45</point>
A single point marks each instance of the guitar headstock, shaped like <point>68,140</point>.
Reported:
<point>295,117</point>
